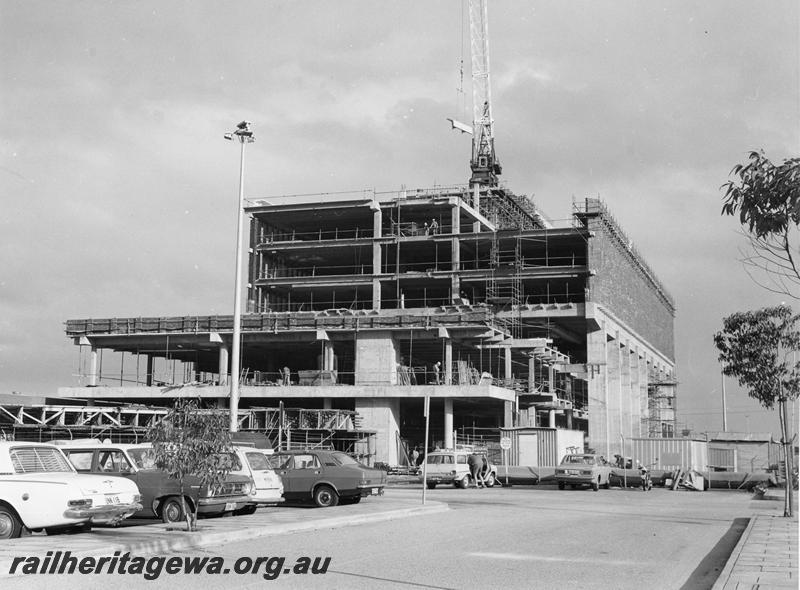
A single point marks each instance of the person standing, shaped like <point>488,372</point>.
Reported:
<point>414,457</point>
<point>475,463</point>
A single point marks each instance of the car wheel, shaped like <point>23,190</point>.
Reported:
<point>172,510</point>
<point>596,484</point>
<point>10,524</point>
<point>489,480</point>
<point>464,482</point>
<point>431,485</point>
<point>325,497</point>
<point>561,485</point>
<point>249,509</point>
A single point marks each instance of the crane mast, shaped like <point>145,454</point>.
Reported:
<point>484,163</point>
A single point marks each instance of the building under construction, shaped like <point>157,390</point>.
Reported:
<point>359,307</point>
<point>363,305</point>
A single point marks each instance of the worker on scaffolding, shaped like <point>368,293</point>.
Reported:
<point>434,227</point>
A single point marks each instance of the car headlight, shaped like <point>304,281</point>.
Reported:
<point>137,497</point>
<point>586,472</point>
<point>83,503</point>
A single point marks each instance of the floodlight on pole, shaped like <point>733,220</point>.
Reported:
<point>244,135</point>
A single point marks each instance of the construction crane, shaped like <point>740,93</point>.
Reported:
<point>484,162</point>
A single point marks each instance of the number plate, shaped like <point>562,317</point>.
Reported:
<point>112,499</point>
<point>375,491</point>
<point>573,471</point>
<point>230,506</point>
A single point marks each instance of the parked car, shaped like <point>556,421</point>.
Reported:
<point>449,466</point>
<point>326,477</point>
<point>268,486</point>
<point>39,489</point>
<point>161,494</point>
<point>583,469</point>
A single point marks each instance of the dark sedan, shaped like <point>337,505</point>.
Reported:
<point>327,478</point>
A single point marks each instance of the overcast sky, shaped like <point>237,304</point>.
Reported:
<point>119,192</point>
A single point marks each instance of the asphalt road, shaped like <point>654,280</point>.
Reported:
<point>520,537</point>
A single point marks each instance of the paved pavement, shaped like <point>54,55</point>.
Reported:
<point>163,539</point>
<point>766,555</point>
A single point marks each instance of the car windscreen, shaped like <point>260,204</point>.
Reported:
<point>437,459</point>
<point>577,460</point>
<point>39,460</point>
<point>258,461</point>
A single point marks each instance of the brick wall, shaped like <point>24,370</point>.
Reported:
<point>628,289</point>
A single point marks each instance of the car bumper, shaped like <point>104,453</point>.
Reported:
<point>220,505</point>
<point>110,514</point>
<point>371,490</point>
<point>266,496</point>
<point>575,479</point>
<point>442,478</point>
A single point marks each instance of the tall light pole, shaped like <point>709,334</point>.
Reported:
<point>244,135</point>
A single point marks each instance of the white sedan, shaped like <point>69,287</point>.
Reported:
<point>40,489</point>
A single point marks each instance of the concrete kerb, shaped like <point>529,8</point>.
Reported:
<point>725,574</point>
<point>165,541</point>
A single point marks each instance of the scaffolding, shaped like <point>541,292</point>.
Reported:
<point>659,421</point>
<point>505,290</point>
<point>509,211</point>
<point>284,428</point>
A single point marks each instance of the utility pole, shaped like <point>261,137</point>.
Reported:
<point>244,135</point>
<point>724,409</point>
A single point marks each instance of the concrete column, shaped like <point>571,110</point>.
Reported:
<point>596,344</point>
<point>149,379</point>
<point>383,416</point>
<point>551,419</point>
<point>376,358</point>
<point>376,294</point>
<point>643,399</point>
<point>626,390</point>
<point>531,374</point>
<point>636,388</point>
<point>455,252</point>
<point>507,366</point>
<point>377,223</point>
<point>326,358</point>
<point>93,366</point>
<point>449,443</point>
<point>222,365</point>
<point>508,414</point>
<point>448,361</point>
<point>551,379</point>
<point>327,403</point>
<point>331,358</point>
<point>614,393</point>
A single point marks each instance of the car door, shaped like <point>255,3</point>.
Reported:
<point>283,464</point>
<point>307,472</point>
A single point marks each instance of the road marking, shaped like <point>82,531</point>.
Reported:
<point>528,557</point>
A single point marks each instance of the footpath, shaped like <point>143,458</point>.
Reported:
<point>766,555</point>
<point>159,538</point>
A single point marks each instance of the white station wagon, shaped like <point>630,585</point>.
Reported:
<point>40,489</point>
